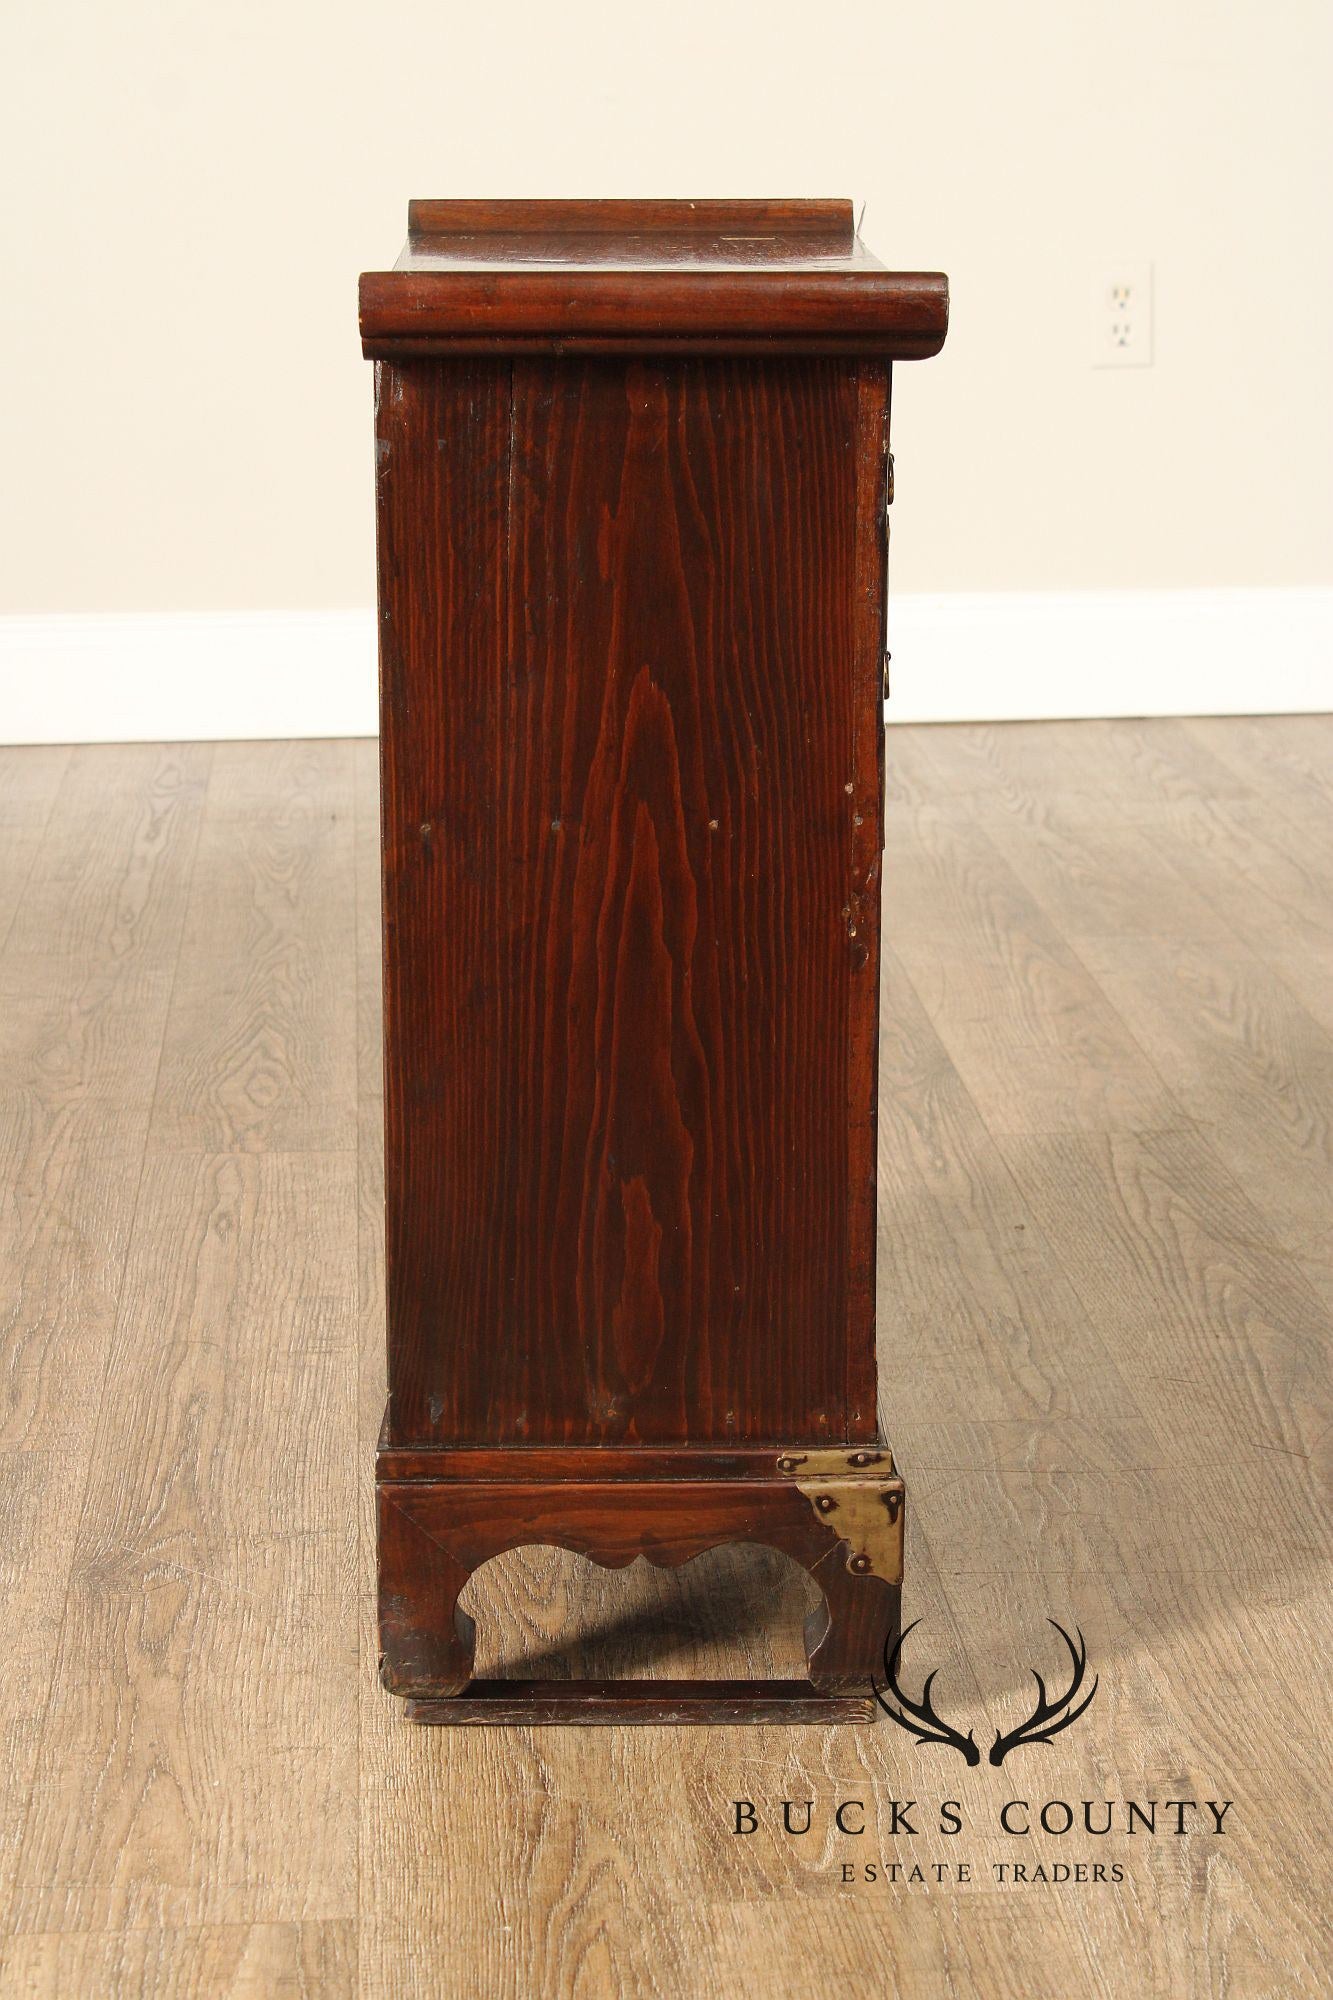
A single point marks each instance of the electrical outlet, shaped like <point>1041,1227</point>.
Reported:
<point>1122,316</point>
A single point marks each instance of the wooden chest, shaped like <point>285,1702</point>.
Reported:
<point>633,469</point>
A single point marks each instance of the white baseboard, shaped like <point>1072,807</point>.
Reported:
<point>994,656</point>
<point>186,676</point>
<point>1003,656</point>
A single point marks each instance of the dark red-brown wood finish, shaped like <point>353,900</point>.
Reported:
<point>620,276</point>
<point>631,782</point>
<point>631,637</point>
<point>840,1514</point>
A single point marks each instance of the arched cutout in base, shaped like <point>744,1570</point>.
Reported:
<point>435,1533</point>
<point>543,1612</point>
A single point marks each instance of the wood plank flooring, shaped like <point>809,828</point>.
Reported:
<point>1106,1285</point>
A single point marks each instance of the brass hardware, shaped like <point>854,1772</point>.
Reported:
<point>867,1516</point>
<point>856,1493</point>
<point>842,1462</point>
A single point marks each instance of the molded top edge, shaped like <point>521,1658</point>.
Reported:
<point>586,275</point>
<point>633,217</point>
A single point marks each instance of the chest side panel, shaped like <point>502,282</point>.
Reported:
<point>630,630</point>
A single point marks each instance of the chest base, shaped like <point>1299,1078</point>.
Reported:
<point>444,1512</point>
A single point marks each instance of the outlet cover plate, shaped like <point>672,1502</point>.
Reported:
<point>1122,315</point>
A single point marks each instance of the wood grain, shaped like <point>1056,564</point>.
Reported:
<point>1156,1235</point>
<point>645,276</point>
<point>1251,1067</point>
<point>616,218</point>
<point>1039,1372</point>
<point>1190,973</point>
<point>213,1962</point>
<point>1267,877</point>
<point>897,315</point>
<point>369,935</point>
<point>1103,1340</point>
<point>618,1176</point>
<point>29,782</point>
<point>85,980</point>
<point>641,1704</point>
<point>1285,759</point>
<point>1025,1024</point>
<point>258,1049</point>
<point>205,1663</point>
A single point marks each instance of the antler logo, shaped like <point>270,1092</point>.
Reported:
<point>1048,1718</point>
<point>921,1720</point>
<point>1046,1721</point>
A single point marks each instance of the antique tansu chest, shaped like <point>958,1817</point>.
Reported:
<point>633,471</point>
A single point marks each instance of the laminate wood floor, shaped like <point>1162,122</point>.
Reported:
<point>1106,1279</point>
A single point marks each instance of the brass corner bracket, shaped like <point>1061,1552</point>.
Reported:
<point>856,1492</point>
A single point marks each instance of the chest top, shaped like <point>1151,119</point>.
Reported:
<point>646,276</point>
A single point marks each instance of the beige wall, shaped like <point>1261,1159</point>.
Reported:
<point>190,190</point>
